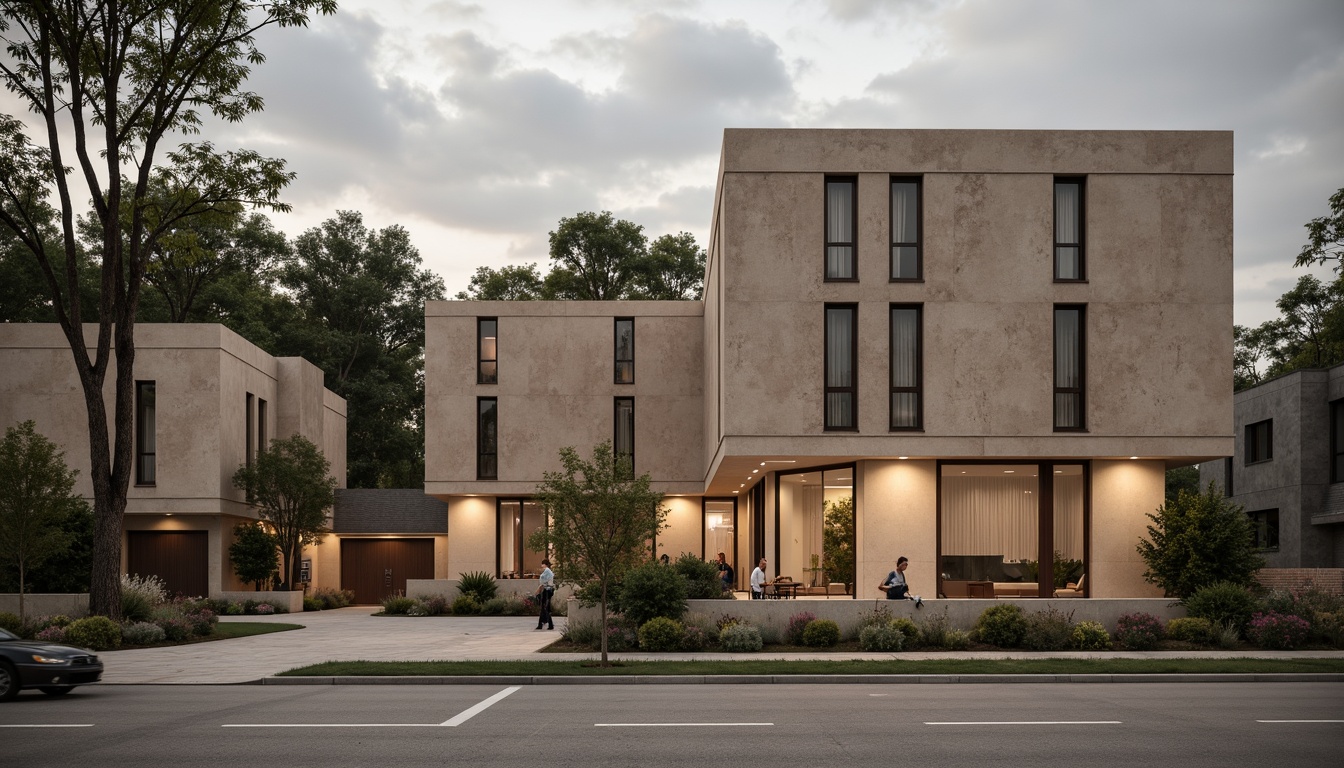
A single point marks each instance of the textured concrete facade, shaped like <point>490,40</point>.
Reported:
<point>741,378</point>
<point>203,376</point>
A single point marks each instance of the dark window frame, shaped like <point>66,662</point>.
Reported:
<point>616,428</point>
<point>1337,441</point>
<point>248,430</point>
<point>481,359</point>
<point>853,492</point>
<point>140,452</point>
<point>1228,465</point>
<point>853,389</point>
<point>1251,447</point>
<point>261,424</point>
<point>616,350</point>
<point>918,389</point>
<point>481,453</point>
<point>1081,181</point>
<point>1081,389</point>
<point>853,244</point>
<point>1270,520</point>
<point>918,243</point>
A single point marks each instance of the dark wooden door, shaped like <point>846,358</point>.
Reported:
<point>180,558</point>
<point>378,568</point>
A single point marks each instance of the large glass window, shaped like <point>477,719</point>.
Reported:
<point>1265,529</point>
<point>905,231</point>
<point>841,224</point>
<point>907,352</point>
<point>623,444</point>
<point>1337,441</point>
<point>841,362</point>
<point>625,350</point>
<point>145,440</point>
<point>1069,263</point>
<point>721,534</point>
<point>487,350</point>
<point>518,520</point>
<point>1260,441</point>
<point>487,438</point>
<point>999,520</point>
<point>1070,368</point>
<point>815,529</point>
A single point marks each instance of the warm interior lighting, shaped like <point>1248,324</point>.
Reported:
<point>1009,471</point>
<point>902,457</point>
<point>1133,457</point>
<point>754,471</point>
<point>488,347</point>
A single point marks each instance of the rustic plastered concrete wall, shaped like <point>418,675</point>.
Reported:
<point>897,515</point>
<point>1123,493</point>
<point>683,531</point>
<point>472,535</point>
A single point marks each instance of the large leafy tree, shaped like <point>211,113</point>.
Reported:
<point>110,85</point>
<point>595,257</point>
<point>673,269</point>
<point>36,499</point>
<point>601,520</point>
<point>290,482</point>
<point>255,554</point>
<point>1197,540</point>
<point>508,283</point>
<point>837,541</point>
<point>360,294</point>
<point>1325,237</point>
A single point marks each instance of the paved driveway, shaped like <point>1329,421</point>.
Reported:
<point>347,634</point>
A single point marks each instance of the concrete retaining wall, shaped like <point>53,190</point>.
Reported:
<point>505,588</point>
<point>290,601</point>
<point>960,613</point>
<point>72,605</point>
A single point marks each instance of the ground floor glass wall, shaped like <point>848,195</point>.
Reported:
<point>816,527</point>
<point>517,521</point>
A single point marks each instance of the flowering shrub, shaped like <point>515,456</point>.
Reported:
<point>1138,631</point>
<point>1278,631</point>
<point>619,638</point>
<point>881,637</point>
<point>265,609</point>
<point>435,605</point>
<point>740,638</point>
<point>693,639</point>
<point>142,633</point>
<point>175,628</point>
<point>52,634</point>
<point>797,623</point>
<point>140,595</point>
<point>725,621</point>
<point>96,632</point>
<point>202,622</point>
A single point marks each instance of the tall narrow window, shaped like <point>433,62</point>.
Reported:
<point>1070,368</point>
<point>261,425</point>
<point>841,364</point>
<point>625,350</point>
<point>1337,441</point>
<point>907,362</point>
<point>487,438</point>
<point>1069,262</point>
<point>487,350</point>
<point>144,433</point>
<point>624,442</point>
<point>1265,529</point>
<point>1260,441</point>
<point>906,211</point>
<point>841,224</point>
<point>1227,474</point>
<point>248,430</point>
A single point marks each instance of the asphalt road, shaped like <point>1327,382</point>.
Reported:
<point>1018,725</point>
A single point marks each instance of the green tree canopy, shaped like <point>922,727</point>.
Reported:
<point>837,541</point>
<point>508,283</point>
<point>255,554</point>
<point>601,520</point>
<point>1325,237</point>
<point>36,498</point>
<point>290,482</point>
<point>1197,540</point>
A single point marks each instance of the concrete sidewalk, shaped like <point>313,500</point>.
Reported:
<point>352,634</point>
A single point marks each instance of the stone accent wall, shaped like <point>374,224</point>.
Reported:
<point>1328,579</point>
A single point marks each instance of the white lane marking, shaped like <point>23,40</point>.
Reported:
<point>1299,721</point>
<point>479,708</point>
<point>879,694</point>
<point>62,725</point>
<point>452,722</point>
<point>1033,722</point>
<point>670,725</point>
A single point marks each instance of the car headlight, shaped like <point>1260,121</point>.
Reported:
<point>49,660</point>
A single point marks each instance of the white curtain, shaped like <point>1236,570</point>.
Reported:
<point>1069,516</point>
<point>904,366</point>
<point>991,516</point>
<point>1068,367</point>
<point>839,366</point>
<point>840,229</point>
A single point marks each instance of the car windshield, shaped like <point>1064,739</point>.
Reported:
<point>4,635</point>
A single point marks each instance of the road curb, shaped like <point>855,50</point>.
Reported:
<point>1268,677</point>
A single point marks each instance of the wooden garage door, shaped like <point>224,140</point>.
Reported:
<point>377,568</point>
<point>180,558</point>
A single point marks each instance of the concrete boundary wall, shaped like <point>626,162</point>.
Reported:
<point>75,605</point>
<point>961,614</point>
<point>505,588</point>
<point>290,601</point>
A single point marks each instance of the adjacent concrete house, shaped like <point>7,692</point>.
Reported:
<point>977,349</point>
<point>206,401</point>
<point>1287,468</point>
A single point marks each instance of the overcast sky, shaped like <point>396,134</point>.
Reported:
<point>478,125</point>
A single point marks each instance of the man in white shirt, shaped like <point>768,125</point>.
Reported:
<point>544,593</point>
<point>758,581</point>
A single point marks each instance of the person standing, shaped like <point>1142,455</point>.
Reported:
<point>758,581</point>
<point>544,594</point>
<point>895,585</point>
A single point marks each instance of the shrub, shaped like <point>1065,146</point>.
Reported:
<point>479,584</point>
<point>740,638</point>
<point>1049,630</point>
<point>582,633</point>
<point>694,639</point>
<point>798,622</point>
<point>397,605</point>
<point>10,622</point>
<point>233,609</point>
<point>702,579</point>
<point>1328,627</point>
<point>202,622</point>
<point>650,591</point>
<point>1277,631</point>
<point>59,620</point>
<point>725,621</point>
<point>618,638</point>
<point>933,632</point>
<point>333,598</point>
<point>821,633</point>
<point>1199,539</point>
<point>140,595</point>
<point>98,633</point>
<point>494,606</point>
<point>1226,636</point>
<point>909,629</point>
<point>311,604</point>
<point>1223,603</point>
<point>1138,631</point>
<point>661,634</point>
<point>435,605</point>
<point>52,635</point>
<point>175,628</point>
<point>1191,629</point>
<point>1002,625</point>
<point>1322,610</point>
<point>465,605</point>
<point>142,633</point>
<point>956,640</point>
<point>881,637</point>
<point>1090,636</point>
<point>417,609</point>
<point>265,609</point>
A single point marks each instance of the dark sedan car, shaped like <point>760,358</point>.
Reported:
<point>52,669</point>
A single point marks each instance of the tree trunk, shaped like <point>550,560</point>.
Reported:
<point>295,561</point>
<point>603,625</point>
<point>21,591</point>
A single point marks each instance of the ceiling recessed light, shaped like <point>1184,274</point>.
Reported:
<point>754,471</point>
<point>1133,457</point>
<point>762,463</point>
<point>963,471</point>
<point>902,457</point>
<point>1009,471</point>
<point>1059,471</point>
<point>736,491</point>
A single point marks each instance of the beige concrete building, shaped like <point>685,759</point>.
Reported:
<point>981,348</point>
<point>206,400</point>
